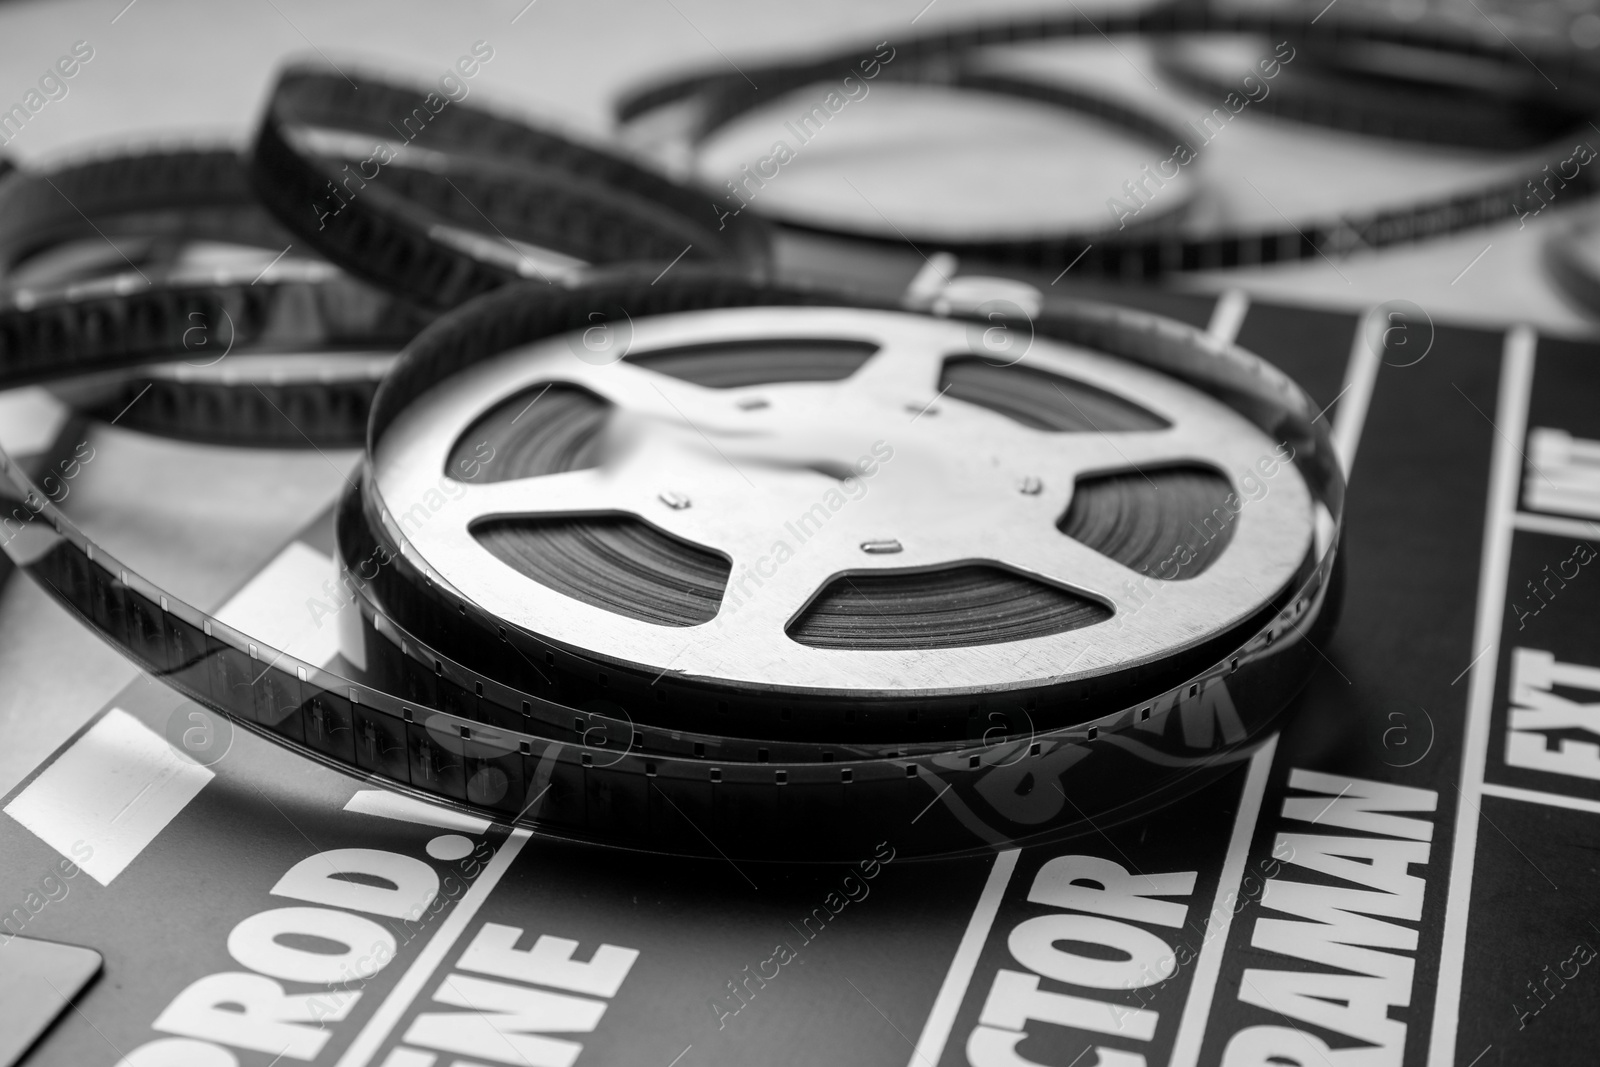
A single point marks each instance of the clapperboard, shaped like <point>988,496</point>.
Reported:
<point>1403,874</point>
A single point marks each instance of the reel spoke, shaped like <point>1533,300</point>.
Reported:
<point>908,366</point>
<point>567,493</point>
<point>1065,562</point>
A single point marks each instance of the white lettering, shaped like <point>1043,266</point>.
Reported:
<point>1345,939</point>
<point>1015,1000</point>
<point>366,946</point>
<point>1385,866</point>
<point>1534,673</point>
<point>326,878</point>
<point>1341,931</point>
<point>548,962</point>
<point>179,1052</point>
<point>505,1023</point>
<point>252,1012</point>
<point>992,1047</point>
<point>1563,473</point>
<point>1344,1003</point>
<point>1060,884</point>
<point>1149,959</point>
<point>1357,804</point>
<point>1283,1046</point>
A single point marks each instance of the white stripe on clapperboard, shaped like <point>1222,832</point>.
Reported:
<point>1511,424</point>
<point>1535,796</point>
<point>119,784</point>
<point>1227,315</point>
<point>1361,375</point>
<point>1581,529</point>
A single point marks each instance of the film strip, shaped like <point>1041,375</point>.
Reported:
<point>113,326</point>
<point>156,199</point>
<point>463,201</point>
<point>624,769</point>
<point>166,254</point>
<point>704,103</point>
<point>1382,90</point>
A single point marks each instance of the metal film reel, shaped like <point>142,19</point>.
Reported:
<point>843,501</point>
<point>436,699</point>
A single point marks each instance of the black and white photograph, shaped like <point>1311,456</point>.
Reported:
<point>745,533</point>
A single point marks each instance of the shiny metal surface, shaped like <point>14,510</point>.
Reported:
<point>947,492</point>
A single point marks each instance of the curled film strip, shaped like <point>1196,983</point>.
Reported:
<point>1382,90</point>
<point>697,106</point>
<point>442,201</point>
<point>166,251</point>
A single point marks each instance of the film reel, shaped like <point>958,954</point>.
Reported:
<point>610,772</point>
<point>706,505</point>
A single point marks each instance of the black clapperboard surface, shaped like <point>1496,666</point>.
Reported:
<point>1406,873</point>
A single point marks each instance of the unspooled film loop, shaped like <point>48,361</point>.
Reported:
<point>1061,146</point>
<point>494,188</point>
<point>181,272</point>
<point>1123,250</point>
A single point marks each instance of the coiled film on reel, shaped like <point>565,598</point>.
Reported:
<point>456,733</point>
